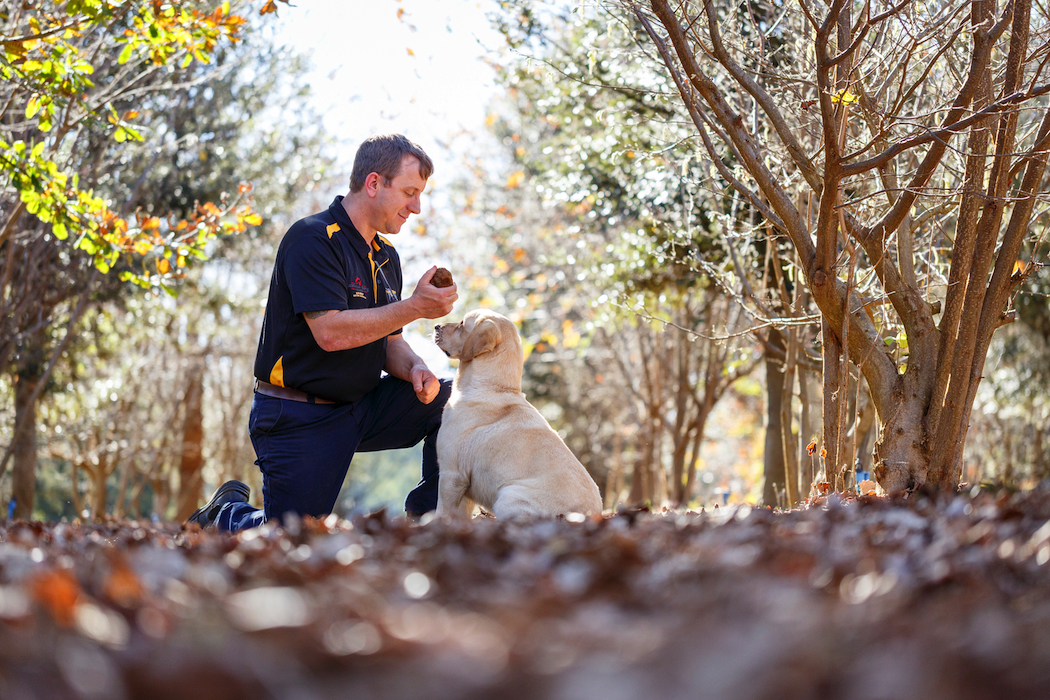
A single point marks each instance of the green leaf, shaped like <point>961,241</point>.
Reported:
<point>125,55</point>
<point>61,232</point>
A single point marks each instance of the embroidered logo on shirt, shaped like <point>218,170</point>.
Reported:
<point>358,289</point>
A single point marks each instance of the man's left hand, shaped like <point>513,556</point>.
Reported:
<point>424,382</point>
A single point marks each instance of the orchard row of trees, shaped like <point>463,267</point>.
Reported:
<point>129,136</point>
<point>852,192</point>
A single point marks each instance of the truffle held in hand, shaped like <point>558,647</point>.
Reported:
<point>441,278</point>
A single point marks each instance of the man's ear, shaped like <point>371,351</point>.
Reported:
<point>484,338</point>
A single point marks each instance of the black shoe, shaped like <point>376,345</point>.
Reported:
<point>230,492</point>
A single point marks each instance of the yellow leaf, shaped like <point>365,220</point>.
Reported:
<point>570,338</point>
<point>163,266</point>
<point>845,97</point>
<point>410,52</point>
<point>253,219</point>
<point>515,179</point>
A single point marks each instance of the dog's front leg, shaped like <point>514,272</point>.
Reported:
<point>452,494</point>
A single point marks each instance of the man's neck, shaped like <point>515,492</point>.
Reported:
<point>358,217</point>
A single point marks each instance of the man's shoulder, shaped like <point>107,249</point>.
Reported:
<point>321,224</point>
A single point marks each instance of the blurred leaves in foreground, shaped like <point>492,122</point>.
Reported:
<point>734,602</point>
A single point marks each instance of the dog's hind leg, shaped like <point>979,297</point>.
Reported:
<point>452,495</point>
<point>511,503</point>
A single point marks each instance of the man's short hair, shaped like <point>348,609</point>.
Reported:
<point>382,154</point>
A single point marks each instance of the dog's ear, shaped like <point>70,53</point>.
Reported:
<point>484,338</point>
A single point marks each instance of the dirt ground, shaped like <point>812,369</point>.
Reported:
<point>854,599</point>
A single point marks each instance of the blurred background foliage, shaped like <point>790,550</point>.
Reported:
<point>583,214</point>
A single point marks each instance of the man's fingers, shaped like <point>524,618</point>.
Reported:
<point>428,275</point>
<point>429,389</point>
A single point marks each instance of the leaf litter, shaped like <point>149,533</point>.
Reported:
<point>851,598</point>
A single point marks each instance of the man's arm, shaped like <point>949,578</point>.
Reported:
<point>402,362</point>
<point>353,328</point>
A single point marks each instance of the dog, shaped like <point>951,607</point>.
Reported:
<point>494,447</point>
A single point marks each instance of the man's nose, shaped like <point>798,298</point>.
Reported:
<point>413,205</point>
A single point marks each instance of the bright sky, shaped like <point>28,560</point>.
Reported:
<point>420,73</point>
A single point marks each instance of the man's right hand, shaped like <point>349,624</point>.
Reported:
<point>431,301</point>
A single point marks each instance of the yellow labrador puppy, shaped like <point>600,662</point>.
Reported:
<point>494,447</point>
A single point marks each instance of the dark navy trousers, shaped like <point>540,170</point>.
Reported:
<point>304,449</point>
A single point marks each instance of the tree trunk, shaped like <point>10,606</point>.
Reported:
<point>831,353</point>
<point>23,473</point>
<point>99,475</point>
<point>773,490</point>
<point>806,461</point>
<point>614,484</point>
<point>74,486</point>
<point>788,439</point>
<point>191,483</point>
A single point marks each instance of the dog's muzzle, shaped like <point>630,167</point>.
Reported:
<point>437,340</point>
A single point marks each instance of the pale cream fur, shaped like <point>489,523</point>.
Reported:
<point>494,447</point>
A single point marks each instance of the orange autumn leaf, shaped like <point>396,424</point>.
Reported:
<point>123,586</point>
<point>812,446</point>
<point>58,592</point>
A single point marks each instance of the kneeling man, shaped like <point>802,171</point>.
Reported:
<point>332,325</point>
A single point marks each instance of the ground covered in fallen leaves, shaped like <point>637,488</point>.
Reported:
<point>844,599</point>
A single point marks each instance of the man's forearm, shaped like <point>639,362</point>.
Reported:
<point>354,328</point>
<point>400,358</point>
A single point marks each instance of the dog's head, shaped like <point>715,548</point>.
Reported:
<point>481,332</point>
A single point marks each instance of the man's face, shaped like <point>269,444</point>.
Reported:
<point>399,199</point>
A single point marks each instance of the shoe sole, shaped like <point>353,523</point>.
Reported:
<point>226,488</point>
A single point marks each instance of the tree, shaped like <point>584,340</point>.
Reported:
<point>169,88</point>
<point>901,151</point>
<point>612,265</point>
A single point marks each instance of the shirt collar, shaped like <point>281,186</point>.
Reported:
<point>347,228</point>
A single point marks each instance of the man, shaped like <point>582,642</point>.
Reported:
<point>333,323</point>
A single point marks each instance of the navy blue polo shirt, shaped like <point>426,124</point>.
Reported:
<point>323,264</point>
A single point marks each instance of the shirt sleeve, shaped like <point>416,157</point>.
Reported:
<point>315,274</point>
